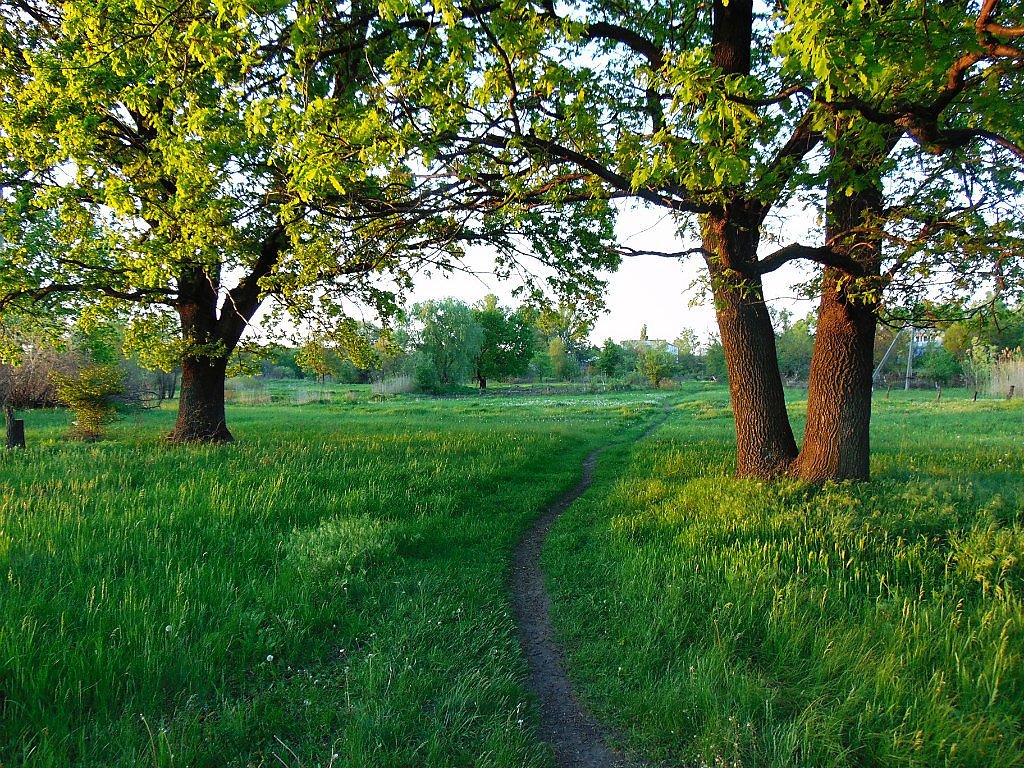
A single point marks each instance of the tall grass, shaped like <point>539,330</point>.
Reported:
<point>733,623</point>
<point>327,591</point>
<point>394,385</point>
<point>1007,372</point>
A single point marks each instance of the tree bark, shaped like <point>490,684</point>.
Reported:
<point>210,339</point>
<point>201,413</point>
<point>836,444</point>
<point>765,444</point>
<point>837,439</point>
<point>481,381</point>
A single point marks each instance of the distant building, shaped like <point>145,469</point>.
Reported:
<point>926,339</point>
<point>671,348</point>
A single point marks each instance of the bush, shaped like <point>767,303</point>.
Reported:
<point>940,365</point>
<point>91,393</point>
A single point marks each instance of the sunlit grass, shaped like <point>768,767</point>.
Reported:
<point>327,591</point>
<point>727,622</point>
<point>330,590</point>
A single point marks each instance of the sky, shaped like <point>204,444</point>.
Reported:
<point>650,290</point>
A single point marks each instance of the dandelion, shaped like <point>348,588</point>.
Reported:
<point>167,628</point>
<point>270,657</point>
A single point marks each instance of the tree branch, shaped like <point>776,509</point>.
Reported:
<point>824,255</point>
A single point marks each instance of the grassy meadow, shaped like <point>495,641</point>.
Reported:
<point>719,622</point>
<point>328,591</point>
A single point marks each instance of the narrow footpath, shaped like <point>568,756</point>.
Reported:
<point>577,740</point>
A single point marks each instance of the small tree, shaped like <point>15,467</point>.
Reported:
<point>318,360</point>
<point>609,360</point>
<point>90,393</point>
<point>506,344</point>
<point>940,365</point>
<point>655,362</point>
<point>449,339</point>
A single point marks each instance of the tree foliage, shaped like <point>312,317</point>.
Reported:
<point>655,362</point>
<point>610,359</point>
<point>89,392</point>
<point>449,339</point>
<point>184,161</point>
<point>506,342</point>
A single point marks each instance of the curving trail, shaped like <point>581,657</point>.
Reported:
<point>577,740</point>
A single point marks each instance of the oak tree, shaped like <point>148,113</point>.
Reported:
<point>201,157</point>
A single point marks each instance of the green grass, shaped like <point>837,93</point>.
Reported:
<point>330,590</point>
<point>327,591</point>
<point>734,623</point>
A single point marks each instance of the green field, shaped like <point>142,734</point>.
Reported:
<point>330,590</point>
<point>737,623</point>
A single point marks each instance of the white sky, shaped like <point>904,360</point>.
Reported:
<point>649,290</point>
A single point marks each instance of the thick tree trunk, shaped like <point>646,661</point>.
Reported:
<point>201,417</point>
<point>481,381</point>
<point>210,340</point>
<point>837,441</point>
<point>764,438</point>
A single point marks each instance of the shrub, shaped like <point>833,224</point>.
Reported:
<point>90,392</point>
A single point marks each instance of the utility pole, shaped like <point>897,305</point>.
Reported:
<point>910,360</point>
<point>878,368</point>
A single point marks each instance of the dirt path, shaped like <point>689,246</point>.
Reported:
<point>577,739</point>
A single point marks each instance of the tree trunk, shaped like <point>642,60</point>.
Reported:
<point>837,440</point>
<point>836,443</point>
<point>210,340</point>
<point>201,417</point>
<point>765,445</point>
<point>481,381</point>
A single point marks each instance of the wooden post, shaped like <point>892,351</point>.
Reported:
<point>16,434</point>
<point>975,395</point>
<point>15,429</point>
<point>938,395</point>
<point>1009,395</point>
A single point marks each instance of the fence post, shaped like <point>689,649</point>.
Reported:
<point>15,429</point>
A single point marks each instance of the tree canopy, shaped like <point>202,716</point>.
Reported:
<point>179,163</point>
<point>194,159</point>
<point>722,114</point>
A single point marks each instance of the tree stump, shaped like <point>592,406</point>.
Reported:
<point>16,433</point>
